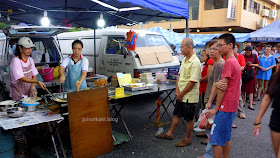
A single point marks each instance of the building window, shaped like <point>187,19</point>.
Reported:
<point>245,5</point>
<point>215,4</point>
<point>254,7</point>
<point>193,9</point>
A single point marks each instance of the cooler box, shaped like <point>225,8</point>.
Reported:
<point>173,73</point>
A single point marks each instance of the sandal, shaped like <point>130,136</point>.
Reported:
<point>242,116</point>
<point>164,136</point>
<point>183,142</point>
<point>233,126</point>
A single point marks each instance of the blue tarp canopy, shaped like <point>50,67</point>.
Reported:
<point>270,33</point>
<point>84,13</point>
<point>199,39</point>
<point>175,7</point>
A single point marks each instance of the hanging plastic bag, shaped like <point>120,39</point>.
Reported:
<point>129,36</point>
<point>132,46</point>
<point>204,123</point>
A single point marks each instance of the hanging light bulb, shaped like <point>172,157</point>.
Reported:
<point>229,29</point>
<point>45,20</point>
<point>101,21</point>
<point>197,30</point>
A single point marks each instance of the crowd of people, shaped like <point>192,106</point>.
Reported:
<point>222,85</point>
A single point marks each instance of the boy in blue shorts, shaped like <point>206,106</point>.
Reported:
<point>227,91</point>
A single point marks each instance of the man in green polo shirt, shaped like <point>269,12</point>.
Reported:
<point>187,93</point>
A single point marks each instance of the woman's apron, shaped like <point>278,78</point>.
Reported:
<point>22,88</point>
<point>74,74</point>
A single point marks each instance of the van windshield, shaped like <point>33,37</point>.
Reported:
<point>151,41</point>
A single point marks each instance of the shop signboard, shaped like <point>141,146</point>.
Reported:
<point>231,11</point>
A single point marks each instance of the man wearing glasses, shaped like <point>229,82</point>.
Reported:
<point>228,92</point>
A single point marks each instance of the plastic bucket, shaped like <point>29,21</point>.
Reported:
<point>47,74</point>
<point>6,144</point>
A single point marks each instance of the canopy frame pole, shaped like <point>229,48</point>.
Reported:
<point>94,50</point>
<point>187,27</point>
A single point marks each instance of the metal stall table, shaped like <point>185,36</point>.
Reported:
<point>158,90</point>
<point>33,118</point>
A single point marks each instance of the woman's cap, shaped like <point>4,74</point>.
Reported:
<point>26,42</point>
<point>248,48</point>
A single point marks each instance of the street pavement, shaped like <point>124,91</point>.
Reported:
<point>145,144</point>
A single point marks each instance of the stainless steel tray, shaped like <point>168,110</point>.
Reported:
<point>141,87</point>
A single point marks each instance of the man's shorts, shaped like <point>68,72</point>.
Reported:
<point>185,110</point>
<point>221,128</point>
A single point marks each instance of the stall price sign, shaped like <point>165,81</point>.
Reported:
<point>119,92</point>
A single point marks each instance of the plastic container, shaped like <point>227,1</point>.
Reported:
<point>30,106</point>
<point>55,72</point>
<point>6,144</point>
<point>149,80</point>
<point>54,55</point>
<point>159,131</point>
<point>135,80</point>
<point>161,77</point>
<point>47,74</point>
<point>173,73</point>
<point>114,81</point>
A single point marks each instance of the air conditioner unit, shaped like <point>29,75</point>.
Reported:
<point>265,12</point>
<point>273,14</point>
<point>263,23</point>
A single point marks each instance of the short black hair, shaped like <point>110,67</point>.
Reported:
<point>248,48</point>
<point>77,42</point>
<point>229,38</point>
<point>269,46</point>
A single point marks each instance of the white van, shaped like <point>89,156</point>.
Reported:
<point>44,40</point>
<point>111,57</point>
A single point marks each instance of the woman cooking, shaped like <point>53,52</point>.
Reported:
<point>76,66</point>
<point>23,71</point>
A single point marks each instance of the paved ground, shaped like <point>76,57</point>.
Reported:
<point>145,144</point>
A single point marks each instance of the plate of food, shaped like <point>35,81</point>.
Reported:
<point>31,99</point>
